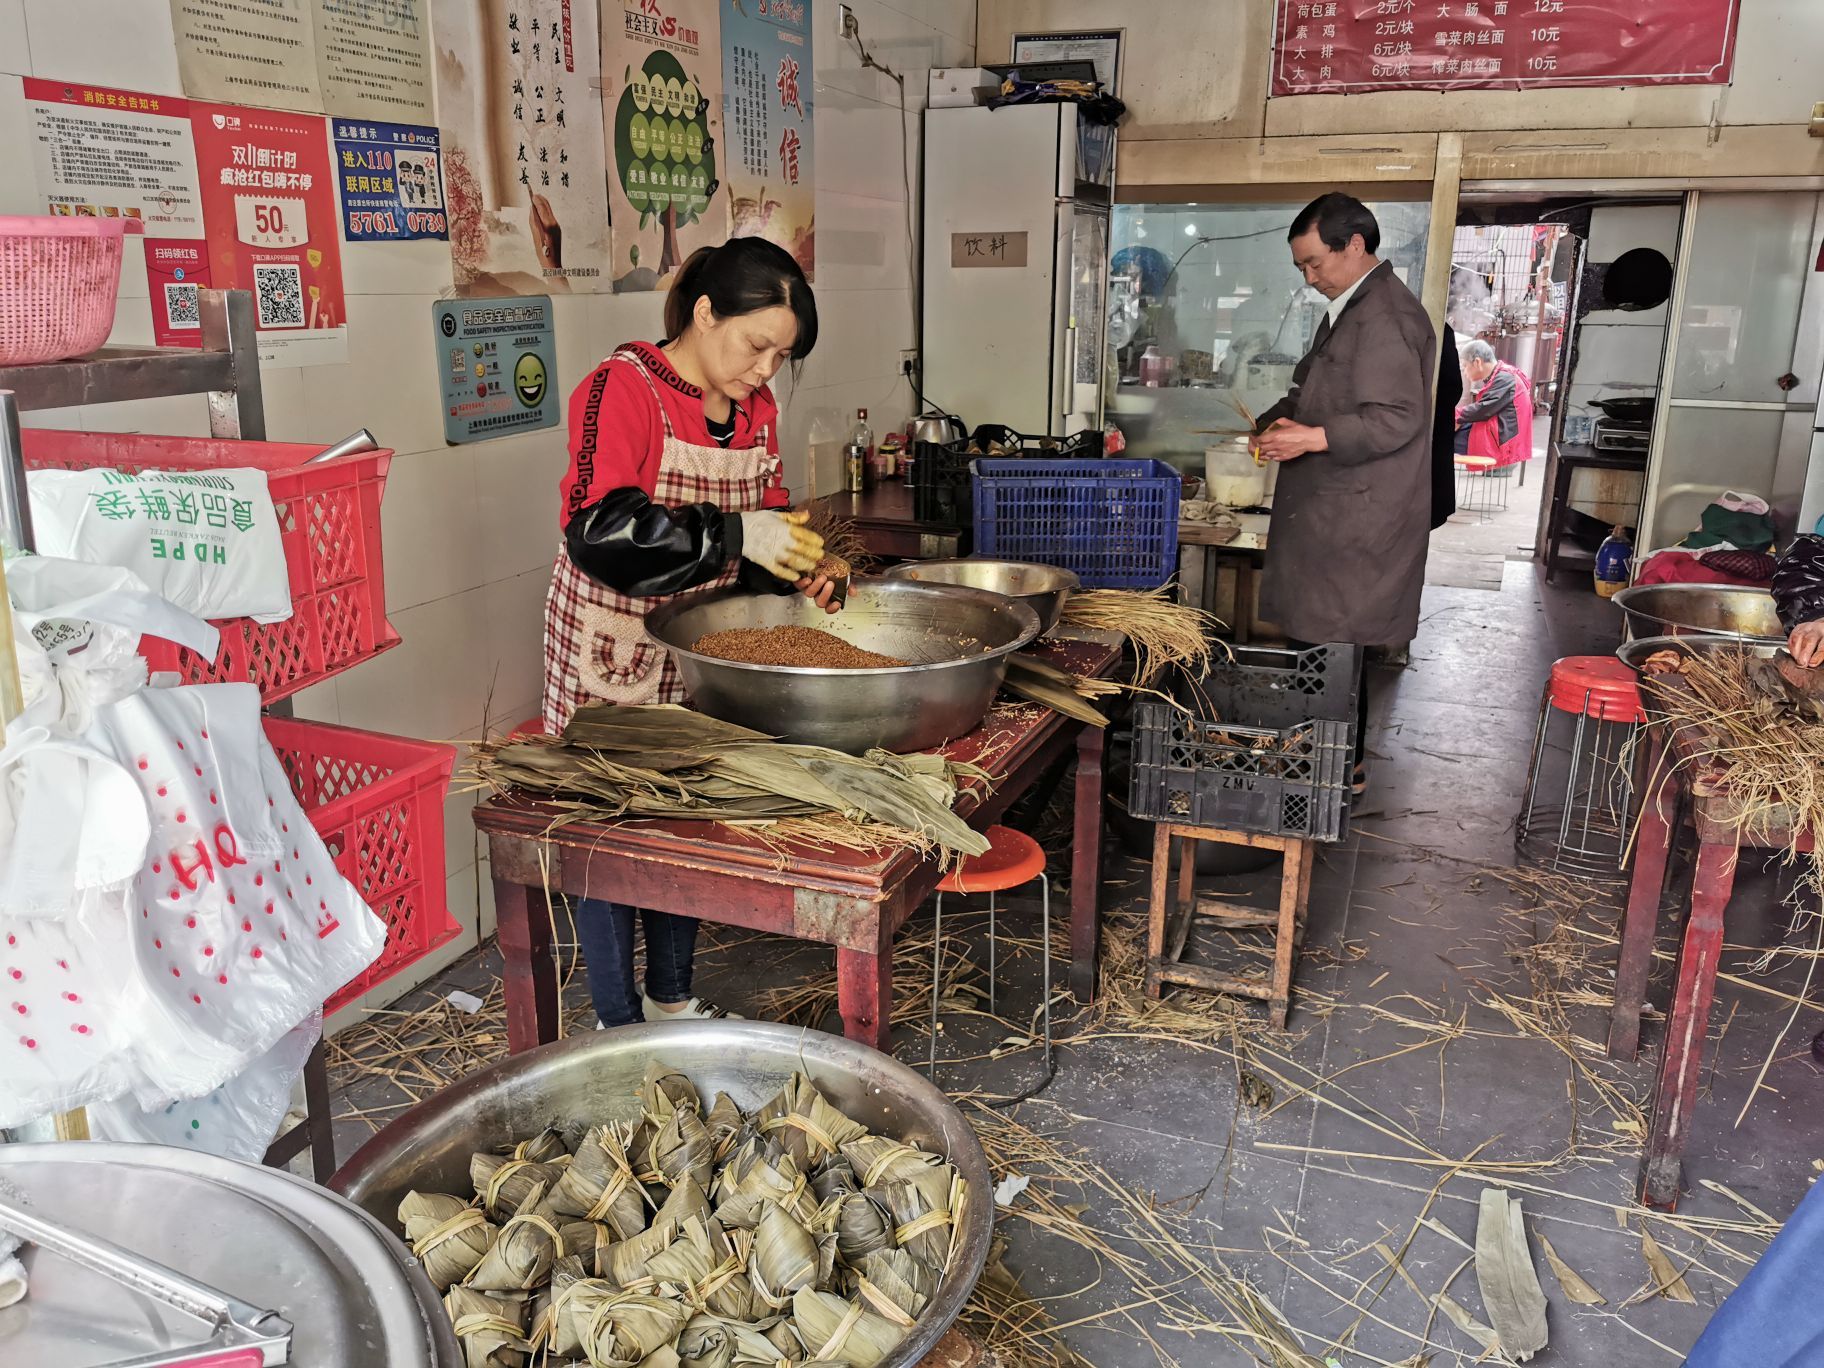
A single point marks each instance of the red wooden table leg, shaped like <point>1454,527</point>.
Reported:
<point>864,996</point>
<point>1086,867</point>
<point>1646,887</point>
<point>529,972</point>
<point>1675,1094</point>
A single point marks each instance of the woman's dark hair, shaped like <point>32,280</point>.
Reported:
<point>743,276</point>
<point>1337,218</point>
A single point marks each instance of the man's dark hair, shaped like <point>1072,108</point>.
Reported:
<point>1337,218</point>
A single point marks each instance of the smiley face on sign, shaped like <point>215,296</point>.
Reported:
<point>529,380</point>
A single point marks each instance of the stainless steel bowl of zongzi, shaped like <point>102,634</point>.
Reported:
<point>957,639</point>
<point>1042,588</point>
<point>1703,609</point>
<point>1637,652</point>
<point>595,1077</point>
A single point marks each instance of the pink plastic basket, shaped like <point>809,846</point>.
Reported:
<point>58,278</point>
<point>377,802</point>
<point>329,522</point>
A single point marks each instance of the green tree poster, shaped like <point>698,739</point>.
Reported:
<point>662,114</point>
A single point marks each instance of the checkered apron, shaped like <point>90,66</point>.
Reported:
<point>596,645</point>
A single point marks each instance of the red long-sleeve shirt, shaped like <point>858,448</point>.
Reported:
<point>617,434</point>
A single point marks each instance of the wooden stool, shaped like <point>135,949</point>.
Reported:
<point>317,1130</point>
<point>1012,859</point>
<point>1178,906</point>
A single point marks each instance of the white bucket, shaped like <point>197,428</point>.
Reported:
<point>1232,477</point>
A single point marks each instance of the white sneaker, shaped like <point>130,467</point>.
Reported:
<point>697,1009</point>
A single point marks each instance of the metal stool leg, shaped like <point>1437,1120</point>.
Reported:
<point>937,977</point>
<point>1532,770</point>
<point>993,964</point>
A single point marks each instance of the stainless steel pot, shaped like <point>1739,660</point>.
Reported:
<point>595,1077</point>
<point>938,427</point>
<point>1635,653</point>
<point>1042,588</point>
<point>350,1289</point>
<point>960,639</point>
<point>1682,609</point>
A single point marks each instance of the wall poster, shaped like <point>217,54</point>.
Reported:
<point>767,82</point>
<point>390,180</point>
<point>257,52</point>
<point>269,216</point>
<point>497,366</point>
<point>1334,47</point>
<point>1100,47</point>
<point>662,107</point>
<point>523,161</point>
<point>177,269</point>
<point>115,154</point>
<point>375,59</point>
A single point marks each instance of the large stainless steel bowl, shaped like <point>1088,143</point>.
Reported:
<point>959,638</point>
<point>596,1077</point>
<point>1682,609</point>
<point>1636,652</point>
<point>1042,588</point>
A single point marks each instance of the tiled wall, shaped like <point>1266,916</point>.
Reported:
<point>470,531</point>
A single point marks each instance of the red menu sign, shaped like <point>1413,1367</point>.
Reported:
<point>1335,47</point>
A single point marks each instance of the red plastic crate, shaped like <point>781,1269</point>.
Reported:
<point>377,802</point>
<point>329,521</point>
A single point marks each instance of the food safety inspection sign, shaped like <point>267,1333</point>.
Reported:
<point>497,363</point>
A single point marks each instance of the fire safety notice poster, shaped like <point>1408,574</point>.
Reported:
<point>269,216</point>
<point>1338,47</point>
<point>103,153</point>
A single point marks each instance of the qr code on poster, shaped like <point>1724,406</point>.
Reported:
<point>181,306</point>
<point>281,296</point>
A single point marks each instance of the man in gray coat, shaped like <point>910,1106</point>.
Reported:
<point>1352,507</point>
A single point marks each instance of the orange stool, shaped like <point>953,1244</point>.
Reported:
<point>1587,833</point>
<point>1011,860</point>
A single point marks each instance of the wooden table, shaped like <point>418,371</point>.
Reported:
<point>882,518</point>
<point>852,900</point>
<point>1677,774</point>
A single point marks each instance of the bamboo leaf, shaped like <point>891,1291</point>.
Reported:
<point>1668,1282</point>
<point>1570,1280</point>
<point>1504,1271</point>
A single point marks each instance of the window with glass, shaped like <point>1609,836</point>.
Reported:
<point>1207,316</point>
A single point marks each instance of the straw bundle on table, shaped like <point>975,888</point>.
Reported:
<point>1164,633</point>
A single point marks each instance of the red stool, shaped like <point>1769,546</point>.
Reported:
<point>1587,833</point>
<point>1011,860</point>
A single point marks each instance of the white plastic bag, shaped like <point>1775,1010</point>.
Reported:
<point>208,542</point>
<point>237,1120</point>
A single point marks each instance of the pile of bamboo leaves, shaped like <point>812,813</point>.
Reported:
<point>669,762</point>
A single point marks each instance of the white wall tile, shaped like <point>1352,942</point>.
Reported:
<point>430,526</point>
<point>516,483</point>
<point>513,668</point>
<point>861,243</point>
<point>429,685</point>
<point>389,383</point>
<point>419,268</point>
<point>124,43</point>
<point>15,46</point>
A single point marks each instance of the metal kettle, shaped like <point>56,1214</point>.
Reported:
<point>932,426</point>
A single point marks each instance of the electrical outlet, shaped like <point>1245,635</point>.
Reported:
<point>846,24</point>
<point>908,361</point>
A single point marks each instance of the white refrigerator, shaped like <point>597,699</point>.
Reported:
<point>1015,279</point>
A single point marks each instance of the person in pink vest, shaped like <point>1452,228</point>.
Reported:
<point>1495,418</point>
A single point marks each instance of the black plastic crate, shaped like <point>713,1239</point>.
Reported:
<point>1276,686</point>
<point>1277,781</point>
<point>941,489</point>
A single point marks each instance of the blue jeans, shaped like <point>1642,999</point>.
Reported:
<point>604,930</point>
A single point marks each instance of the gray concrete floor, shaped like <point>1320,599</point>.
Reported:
<point>1412,942</point>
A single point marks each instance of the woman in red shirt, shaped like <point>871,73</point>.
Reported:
<point>674,484</point>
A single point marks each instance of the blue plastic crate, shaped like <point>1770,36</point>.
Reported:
<point>1114,522</point>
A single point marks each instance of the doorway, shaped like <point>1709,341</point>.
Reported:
<point>1510,299</point>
